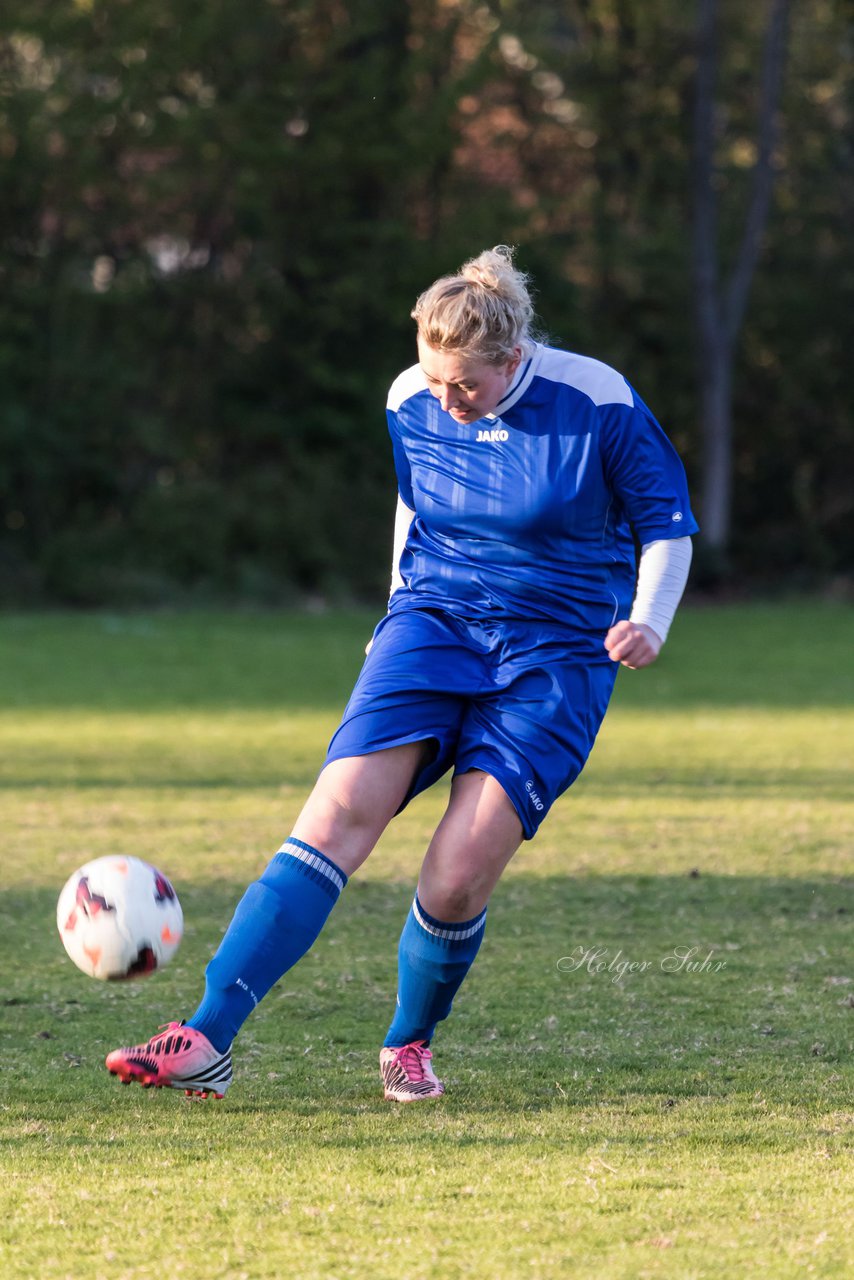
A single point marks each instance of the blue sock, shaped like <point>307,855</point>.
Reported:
<point>433,958</point>
<point>276,922</point>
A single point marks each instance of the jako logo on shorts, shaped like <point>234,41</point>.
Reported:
<point>533,797</point>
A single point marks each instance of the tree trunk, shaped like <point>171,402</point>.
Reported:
<point>720,305</point>
<point>716,427</point>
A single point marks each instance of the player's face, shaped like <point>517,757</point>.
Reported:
<point>466,389</point>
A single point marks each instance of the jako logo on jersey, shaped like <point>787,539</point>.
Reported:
<point>491,436</point>
<point>533,797</point>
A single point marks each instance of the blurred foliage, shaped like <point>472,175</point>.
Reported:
<point>215,220</point>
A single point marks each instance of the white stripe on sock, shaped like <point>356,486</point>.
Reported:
<point>315,861</point>
<point>452,932</point>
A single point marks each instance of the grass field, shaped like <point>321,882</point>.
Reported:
<point>649,1069</point>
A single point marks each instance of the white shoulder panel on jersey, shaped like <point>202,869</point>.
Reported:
<point>406,384</point>
<point>591,377</point>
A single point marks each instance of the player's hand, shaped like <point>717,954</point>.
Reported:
<point>633,644</point>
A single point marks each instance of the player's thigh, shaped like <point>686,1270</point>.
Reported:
<point>474,842</point>
<point>355,798</point>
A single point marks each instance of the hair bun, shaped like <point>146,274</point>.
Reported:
<point>484,312</point>
<point>492,268</point>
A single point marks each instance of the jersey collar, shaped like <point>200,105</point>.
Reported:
<point>520,384</point>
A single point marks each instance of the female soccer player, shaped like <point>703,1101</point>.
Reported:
<point>525,473</point>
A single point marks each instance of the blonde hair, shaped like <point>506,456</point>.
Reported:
<point>484,312</point>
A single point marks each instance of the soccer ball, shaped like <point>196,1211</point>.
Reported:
<point>119,918</point>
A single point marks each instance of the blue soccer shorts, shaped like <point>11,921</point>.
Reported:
<point>523,701</point>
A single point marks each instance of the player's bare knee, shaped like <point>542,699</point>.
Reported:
<point>454,899</point>
<point>339,812</point>
<point>341,827</point>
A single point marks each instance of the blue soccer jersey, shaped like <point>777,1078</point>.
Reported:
<point>529,512</point>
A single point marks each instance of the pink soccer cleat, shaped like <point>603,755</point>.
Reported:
<point>178,1057</point>
<point>407,1073</point>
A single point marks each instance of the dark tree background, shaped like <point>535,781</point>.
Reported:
<point>215,218</point>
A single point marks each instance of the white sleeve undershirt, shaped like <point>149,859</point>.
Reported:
<point>662,574</point>
<point>403,518</point>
